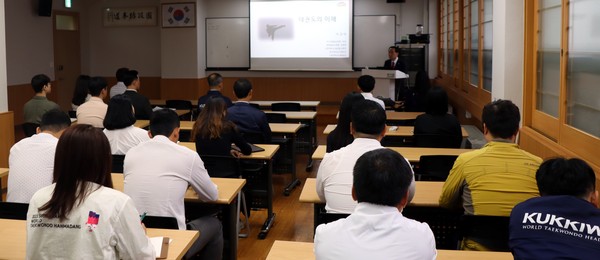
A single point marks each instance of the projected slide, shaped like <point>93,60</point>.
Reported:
<point>306,30</point>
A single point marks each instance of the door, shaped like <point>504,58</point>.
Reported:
<point>67,53</point>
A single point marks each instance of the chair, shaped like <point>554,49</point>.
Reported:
<point>435,167</point>
<point>286,106</point>
<point>30,129</point>
<point>323,217</point>
<point>489,231</point>
<point>254,138</point>
<point>160,222</point>
<point>437,141</point>
<point>276,118</point>
<point>181,104</point>
<point>254,105</point>
<point>117,163</point>
<point>13,210</point>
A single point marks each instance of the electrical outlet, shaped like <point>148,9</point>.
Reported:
<point>467,115</point>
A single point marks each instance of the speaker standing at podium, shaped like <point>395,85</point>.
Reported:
<point>394,63</point>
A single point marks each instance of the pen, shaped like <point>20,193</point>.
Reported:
<point>143,216</point>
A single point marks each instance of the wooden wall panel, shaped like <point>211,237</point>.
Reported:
<point>18,95</point>
<point>7,131</point>
<point>186,89</point>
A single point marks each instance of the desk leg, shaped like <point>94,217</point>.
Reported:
<point>294,182</point>
<point>232,235</point>
<point>270,215</point>
<point>313,143</point>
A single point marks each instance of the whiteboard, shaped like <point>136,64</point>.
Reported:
<point>228,42</point>
<point>373,35</point>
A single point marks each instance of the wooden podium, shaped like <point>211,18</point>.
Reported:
<point>385,81</point>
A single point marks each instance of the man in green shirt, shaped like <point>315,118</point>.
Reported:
<point>39,104</point>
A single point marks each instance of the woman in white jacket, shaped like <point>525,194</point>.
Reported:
<point>79,216</point>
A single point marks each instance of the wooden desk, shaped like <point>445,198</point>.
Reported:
<point>412,154</point>
<point>3,173</point>
<point>267,154</point>
<point>228,189</point>
<point>291,250</point>
<point>282,128</point>
<point>163,102</point>
<point>13,239</point>
<point>296,115</point>
<point>308,105</point>
<point>427,193</point>
<point>396,116</point>
<point>141,123</point>
<point>401,131</point>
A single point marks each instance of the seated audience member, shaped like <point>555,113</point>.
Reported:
<point>565,222</point>
<point>80,216</point>
<point>247,118</point>
<point>120,87</point>
<point>214,134</point>
<point>334,177</point>
<point>366,84</point>
<point>436,120</point>
<point>157,175</point>
<point>39,104</point>
<point>341,135</point>
<point>31,160</point>
<point>492,180</point>
<point>141,104</point>
<point>94,111</point>
<point>81,93</point>
<point>215,84</point>
<point>422,87</point>
<point>377,229</point>
<point>118,126</point>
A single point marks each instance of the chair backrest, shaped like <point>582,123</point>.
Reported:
<point>490,231</point>
<point>437,141</point>
<point>117,163</point>
<point>435,167</point>
<point>323,217</point>
<point>286,106</point>
<point>221,166</point>
<point>257,106</point>
<point>254,138</point>
<point>160,222</point>
<point>276,118</point>
<point>13,210</point>
<point>30,128</point>
<point>179,104</point>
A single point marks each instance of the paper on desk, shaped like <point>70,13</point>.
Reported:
<point>161,246</point>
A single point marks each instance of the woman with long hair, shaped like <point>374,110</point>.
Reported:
<point>118,125</point>
<point>81,94</point>
<point>214,134</point>
<point>79,216</point>
<point>341,136</point>
<point>437,128</point>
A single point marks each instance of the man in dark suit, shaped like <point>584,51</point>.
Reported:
<point>141,104</point>
<point>394,63</point>
<point>247,118</point>
<point>215,83</point>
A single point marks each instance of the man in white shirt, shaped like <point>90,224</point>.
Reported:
<point>93,111</point>
<point>334,178</point>
<point>31,160</point>
<point>377,229</point>
<point>120,87</point>
<point>366,84</point>
<point>157,174</point>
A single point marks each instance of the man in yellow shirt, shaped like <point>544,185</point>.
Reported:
<point>493,179</point>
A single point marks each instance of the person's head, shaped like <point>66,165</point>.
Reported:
<point>368,120</point>
<point>81,90</point>
<point>436,101</point>
<point>121,74</point>
<point>119,113</point>
<point>41,84</point>
<point>242,88</point>
<point>422,82</point>
<point>560,176</point>
<point>382,177</point>
<point>345,116</point>
<point>501,120</point>
<point>82,157</point>
<point>215,81</point>
<point>393,52</point>
<point>98,87</point>
<point>54,122</point>
<point>211,121</point>
<point>366,83</point>
<point>164,122</point>
<point>131,79</point>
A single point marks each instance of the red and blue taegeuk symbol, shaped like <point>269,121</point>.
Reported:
<point>178,15</point>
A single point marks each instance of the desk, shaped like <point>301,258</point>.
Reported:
<point>13,239</point>
<point>402,131</point>
<point>307,105</point>
<point>291,250</point>
<point>396,116</point>
<point>142,123</point>
<point>310,120</point>
<point>163,102</point>
<point>3,173</point>
<point>228,191</point>
<point>412,154</point>
<point>266,156</point>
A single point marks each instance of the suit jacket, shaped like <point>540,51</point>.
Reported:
<point>249,120</point>
<point>213,94</point>
<point>398,66</point>
<point>141,104</point>
<point>400,83</point>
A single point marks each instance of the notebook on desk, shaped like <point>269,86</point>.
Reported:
<point>254,148</point>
